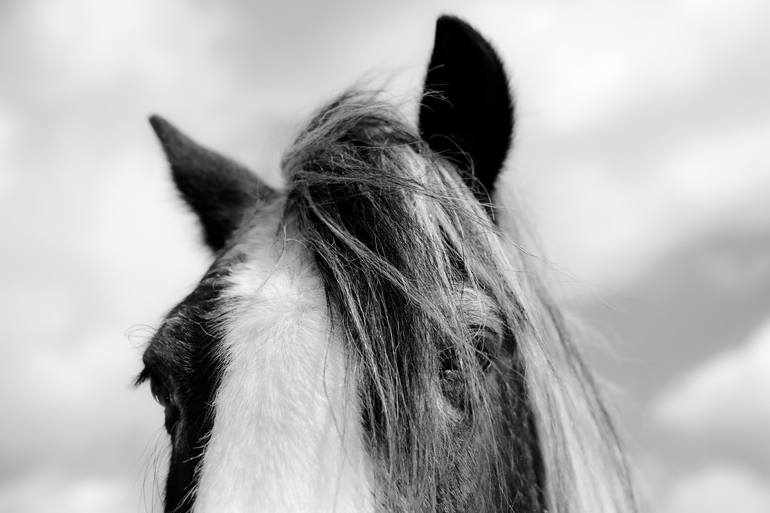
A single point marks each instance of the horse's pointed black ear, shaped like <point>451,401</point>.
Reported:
<point>219,190</point>
<point>466,113</point>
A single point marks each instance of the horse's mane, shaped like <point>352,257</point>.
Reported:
<point>473,393</point>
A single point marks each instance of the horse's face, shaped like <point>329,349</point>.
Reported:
<point>353,347</point>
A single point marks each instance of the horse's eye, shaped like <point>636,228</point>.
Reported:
<point>171,419</point>
<point>160,393</point>
<point>166,399</point>
<point>487,343</point>
<point>164,395</point>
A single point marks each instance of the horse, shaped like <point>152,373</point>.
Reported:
<point>372,337</point>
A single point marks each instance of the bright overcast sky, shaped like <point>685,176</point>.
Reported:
<point>641,159</point>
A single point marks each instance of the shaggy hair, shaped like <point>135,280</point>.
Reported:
<point>473,393</point>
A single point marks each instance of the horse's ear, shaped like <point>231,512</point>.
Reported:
<point>466,113</point>
<point>219,190</point>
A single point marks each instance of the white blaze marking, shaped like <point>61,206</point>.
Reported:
<point>287,434</point>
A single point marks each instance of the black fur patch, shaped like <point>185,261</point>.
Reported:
<point>467,111</point>
<point>183,366</point>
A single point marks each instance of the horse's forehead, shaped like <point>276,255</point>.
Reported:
<point>268,261</point>
<point>285,414</point>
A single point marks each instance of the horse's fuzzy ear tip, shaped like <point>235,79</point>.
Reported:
<point>447,20</point>
<point>158,124</point>
<point>170,136</point>
<point>449,24</point>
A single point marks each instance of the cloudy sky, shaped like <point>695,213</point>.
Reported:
<point>641,160</point>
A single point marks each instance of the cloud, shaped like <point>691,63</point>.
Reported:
<point>737,267</point>
<point>724,401</point>
<point>6,129</point>
<point>76,408</point>
<point>718,489</point>
<point>631,150</point>
<point>660,49</point>
<point>43,492</point>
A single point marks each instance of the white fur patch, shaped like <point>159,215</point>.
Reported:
<point>287,434</point>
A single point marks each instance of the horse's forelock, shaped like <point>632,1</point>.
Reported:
<point>412,265</point>
<point>401,245</point>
